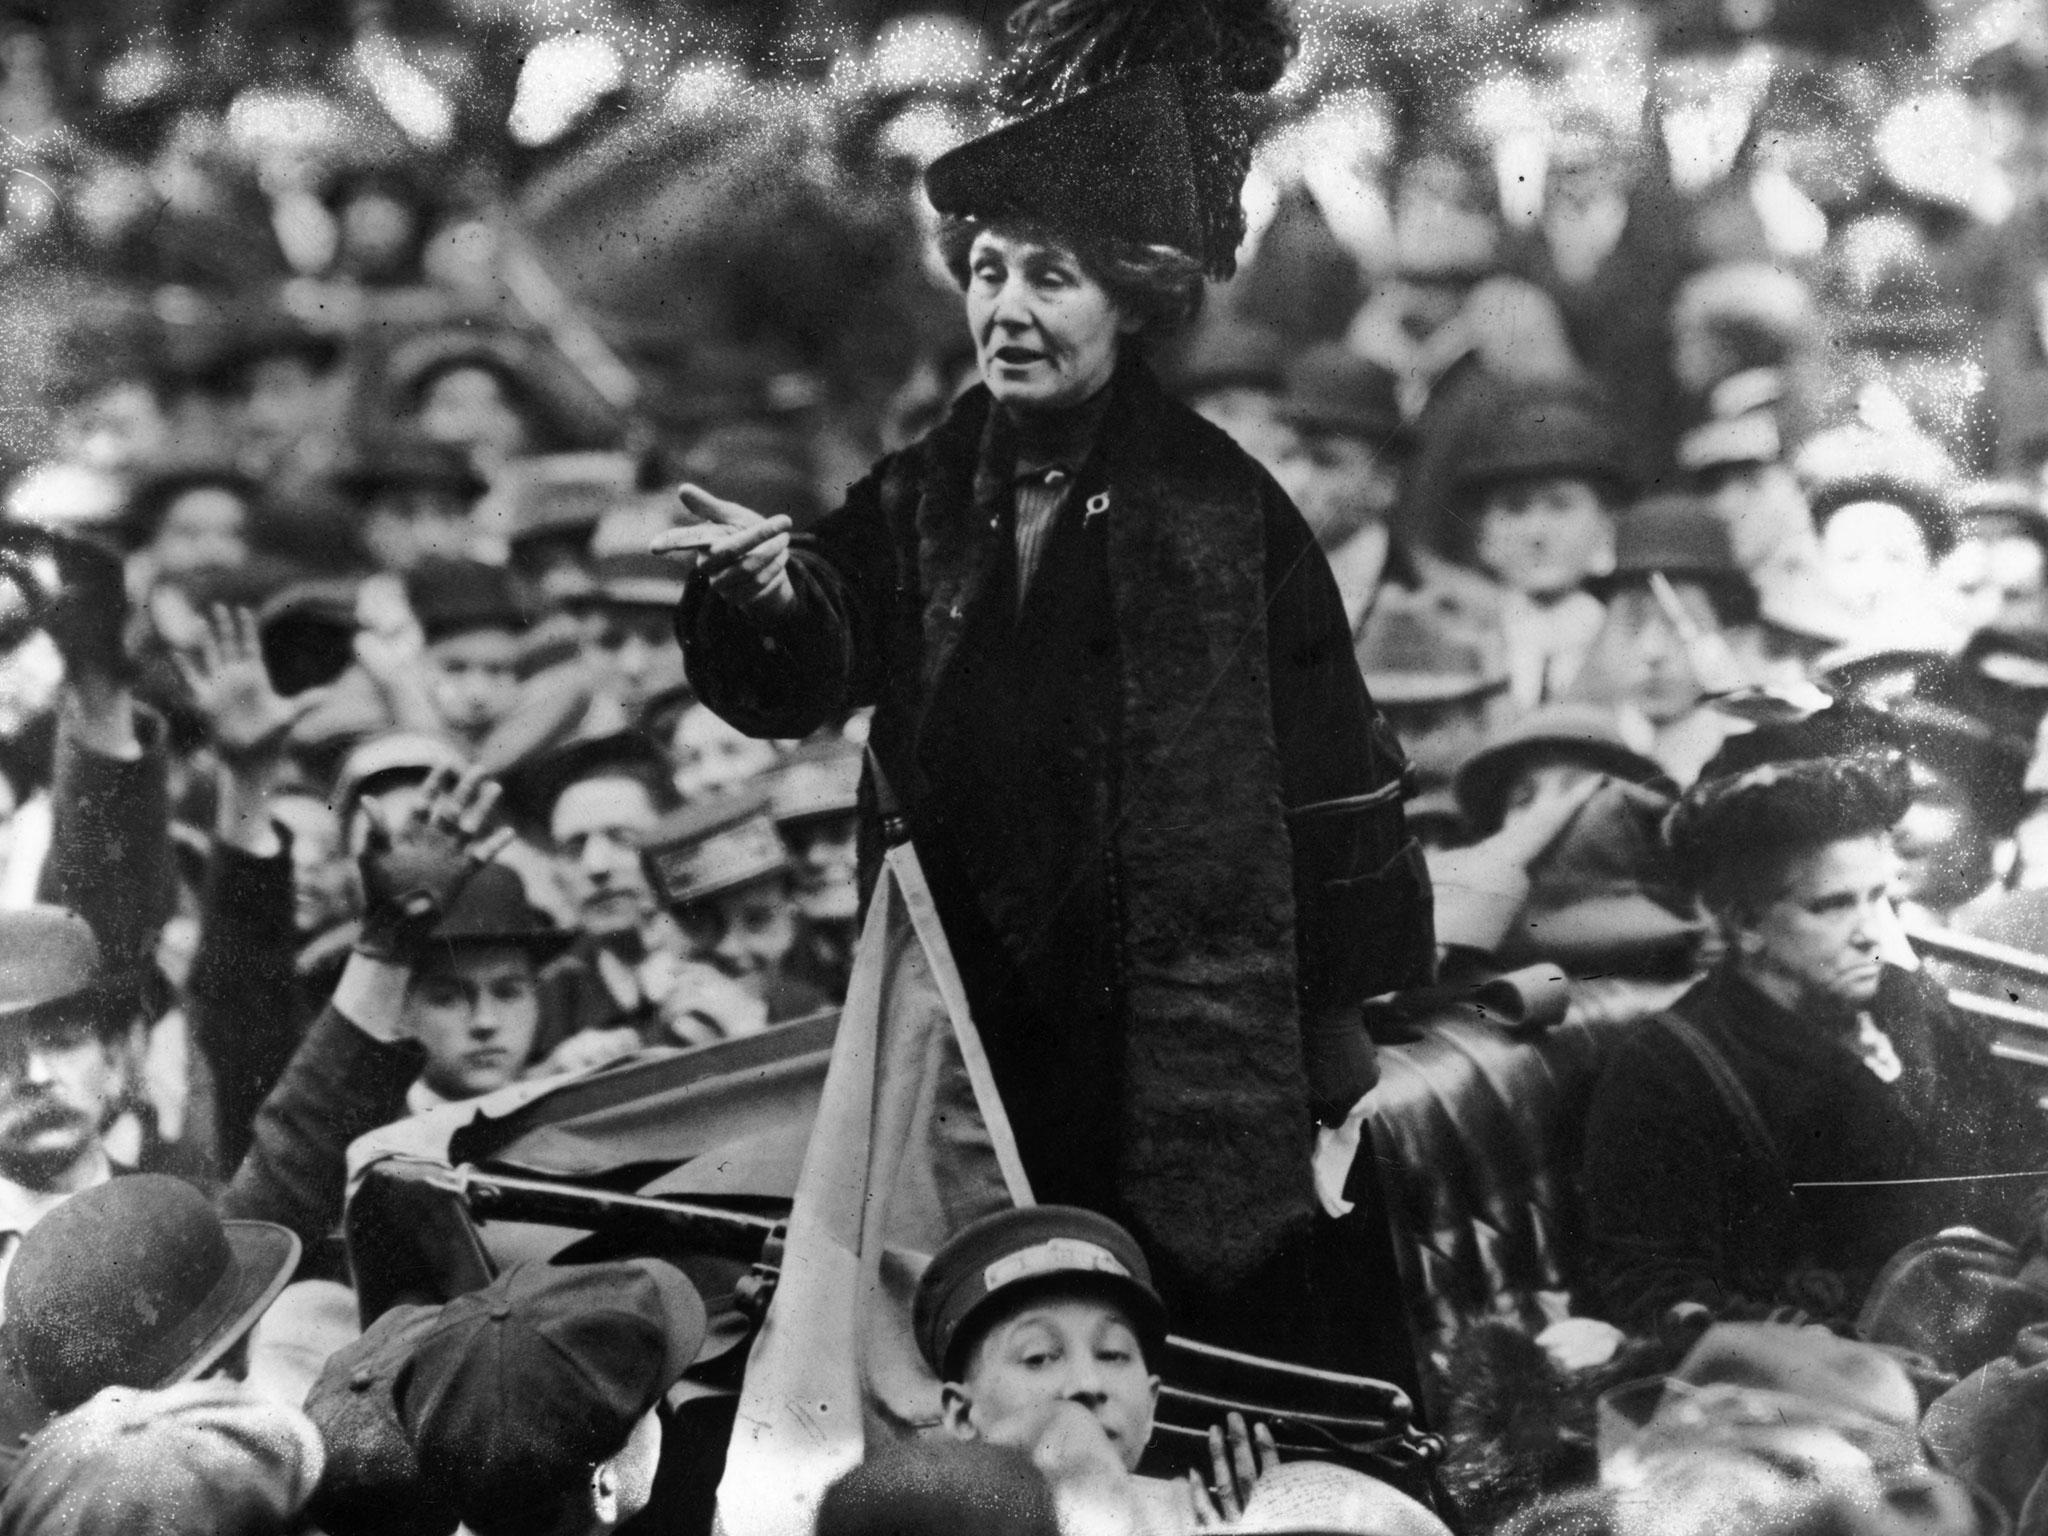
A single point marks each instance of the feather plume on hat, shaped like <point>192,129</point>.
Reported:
<point>1222,53</point>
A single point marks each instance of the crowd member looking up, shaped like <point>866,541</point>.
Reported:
<point>598,799</point>
<point>472,619</point>
<point>1880,540</point>
<point>473,402</point>
<point>726,878</point>
<point>709,754</point>
<point>412,499</point>
<point>983,591</point>
<point>193,521</point>
<point>1539,485</point>
<point>1802,1060</point>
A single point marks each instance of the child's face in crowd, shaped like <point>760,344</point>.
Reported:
<point>475,678</point>
<point>474,1010</point>
<point>1874,556</point>
<point>746,933</point>
<point>712,757</point>
<point>638,645</point>
<point>1058,1349</point>
<point>206,529</point>
<point>1544,536</point>
<point>408,525</point>
<point>468,408</point>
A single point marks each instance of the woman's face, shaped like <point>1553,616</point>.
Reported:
<point>1874,556</point>
<point>1045,332</point>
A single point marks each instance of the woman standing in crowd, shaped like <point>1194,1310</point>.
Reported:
<point>1115,697</point>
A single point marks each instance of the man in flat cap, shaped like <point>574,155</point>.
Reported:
<point>727,879</point>
<point>531,1407</point>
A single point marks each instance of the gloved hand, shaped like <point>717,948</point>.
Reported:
<point>1343,1064</point>
<point>413,869</point>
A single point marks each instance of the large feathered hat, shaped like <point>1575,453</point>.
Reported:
<point>1132,120</point>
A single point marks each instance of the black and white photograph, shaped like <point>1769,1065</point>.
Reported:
<point>1024,767</point>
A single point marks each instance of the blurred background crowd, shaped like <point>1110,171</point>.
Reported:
<point>1666,382</point>
<point>1639,366</point>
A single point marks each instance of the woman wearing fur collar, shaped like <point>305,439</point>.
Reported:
<point>1115,697</point>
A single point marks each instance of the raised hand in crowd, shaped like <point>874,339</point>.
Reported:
<point>247,719</point>
<point>87,619</point>
<point>415,863</point>
<point>744,555</point>
<point>391,649</point>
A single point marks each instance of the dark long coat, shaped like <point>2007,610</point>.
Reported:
<point>1160,814</point>
<point>1683,1206</point>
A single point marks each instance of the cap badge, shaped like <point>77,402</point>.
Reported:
<point>1054,1256</point>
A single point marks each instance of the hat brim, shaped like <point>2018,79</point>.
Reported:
<point>543,944</point>
<point>1148,1312</point>
<point>265,1256</point>
<point>1481,784</point>
<point>726,884</point>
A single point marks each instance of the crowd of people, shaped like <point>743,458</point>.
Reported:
<point>1548,496</point>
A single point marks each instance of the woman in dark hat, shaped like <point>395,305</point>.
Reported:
<point>1809,1107</point>
<point>1115,698</point>
<point>1881,539</point>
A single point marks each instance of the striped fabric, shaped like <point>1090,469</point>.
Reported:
<point>1040,493</point>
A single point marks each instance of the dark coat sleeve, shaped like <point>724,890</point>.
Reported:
<point>1363,913</point>
<point>110,844</point>
<point>340,1084</point>
<point>243,996</point>
<point>808,668</point>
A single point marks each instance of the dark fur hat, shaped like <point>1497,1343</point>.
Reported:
<point>1133,122</point>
